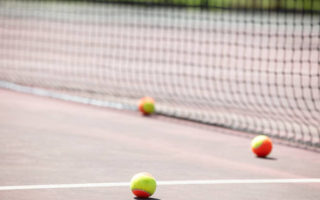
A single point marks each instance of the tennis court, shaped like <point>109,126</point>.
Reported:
<point>50,142</point>
<point>72,72</point>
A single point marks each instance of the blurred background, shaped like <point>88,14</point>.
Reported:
<point>248,65</point>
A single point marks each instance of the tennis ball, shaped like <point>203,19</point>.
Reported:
<point>146,105</point>
<point>143,185</point>
<point>261,145</point>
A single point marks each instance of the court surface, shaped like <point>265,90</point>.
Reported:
<point>52,149</point>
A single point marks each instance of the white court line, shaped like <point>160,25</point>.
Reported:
<point>65,97</point>
<point>187,182</point>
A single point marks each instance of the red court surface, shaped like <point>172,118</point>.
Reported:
<point>50,142</point>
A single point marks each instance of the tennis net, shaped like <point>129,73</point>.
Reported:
<point>247,65</point>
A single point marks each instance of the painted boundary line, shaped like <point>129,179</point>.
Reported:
<point>186,182</point>
<point>65,97</point>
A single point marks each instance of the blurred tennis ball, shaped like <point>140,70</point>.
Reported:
<point>143,185</point>
<point>261,145</point>
<point>146,105</point>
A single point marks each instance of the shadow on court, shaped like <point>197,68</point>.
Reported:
<point>267,158</point>
<point>228,131</point>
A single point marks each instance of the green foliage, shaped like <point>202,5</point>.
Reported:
<point>306,5</point>
<point>296,5</point>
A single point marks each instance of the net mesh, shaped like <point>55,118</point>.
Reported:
<point>251,67</point>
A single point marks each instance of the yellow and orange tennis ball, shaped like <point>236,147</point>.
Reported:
<point>143,185</point>
<point>146,105</point>
<point>261,145</point>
